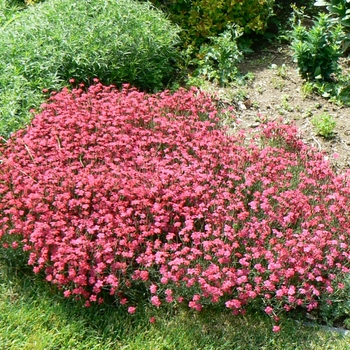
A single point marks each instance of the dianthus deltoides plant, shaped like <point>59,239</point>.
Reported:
<point>111,190</point>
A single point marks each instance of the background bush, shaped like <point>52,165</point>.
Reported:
<point>218,60</point>
<point>49,43</point>
<point>201,19</point>
<point>340,11</point>
<point>318,50</point>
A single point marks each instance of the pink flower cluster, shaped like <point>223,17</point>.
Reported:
<point>108,189</point>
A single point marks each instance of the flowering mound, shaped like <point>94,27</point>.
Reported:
<point>110,190</point>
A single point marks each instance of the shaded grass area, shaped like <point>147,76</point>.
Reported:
<point>34,316</point>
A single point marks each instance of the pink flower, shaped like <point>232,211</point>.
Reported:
<point>169,299</point>
<point>131,309</point>
<point>144,275</point>
<point>196,297</point>
<point>269,310</point>
<point>155,301</point>
<point>276,329</point>
<point>233,304</point>
<point>329,289</point>
<point>153,288</point>
<point>164,280</point>
<point>291,290</point>
<point>194,305</point>
<point>152,319</point>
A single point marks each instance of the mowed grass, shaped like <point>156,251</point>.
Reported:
<point>35,316</point>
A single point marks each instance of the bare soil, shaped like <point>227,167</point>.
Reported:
<point>276,91</point>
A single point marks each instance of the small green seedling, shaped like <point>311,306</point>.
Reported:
<point>324,125</point>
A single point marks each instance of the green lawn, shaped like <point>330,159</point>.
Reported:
<point>34,316</point>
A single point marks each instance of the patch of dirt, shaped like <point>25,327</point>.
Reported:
<point>276,91</point>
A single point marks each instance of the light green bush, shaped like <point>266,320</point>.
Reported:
<point>49,43</point>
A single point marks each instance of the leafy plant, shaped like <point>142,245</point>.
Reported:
<point>339,8</point>
<point>340,11</point>
<point>307,89</point>
<point>285,104</point>
<point>218,60</point>
<point>51,42</point>
<point>280,71</point>
<point>317,50</point>
<point>324,125</point>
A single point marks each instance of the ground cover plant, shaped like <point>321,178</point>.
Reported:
<point>135,194</point>
<point>46,44</point>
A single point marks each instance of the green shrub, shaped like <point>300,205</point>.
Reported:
<point>117,41</point>
<point>317,50</point>
<point>338,8</point>
<point>201,19</point>
<point>340,11</point>
<point>218,60</point>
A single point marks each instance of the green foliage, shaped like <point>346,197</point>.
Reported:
<point>201,19</point>
<point>339,8</point>
<point>324,125</point>
<point>307,89</point>
<point>31,2</point>
<point>335,308</point>
<point>317,50</point>
<point>340,11</point>
<point>47,44</point>
<point>218,59</point>
<point>8,10</point>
